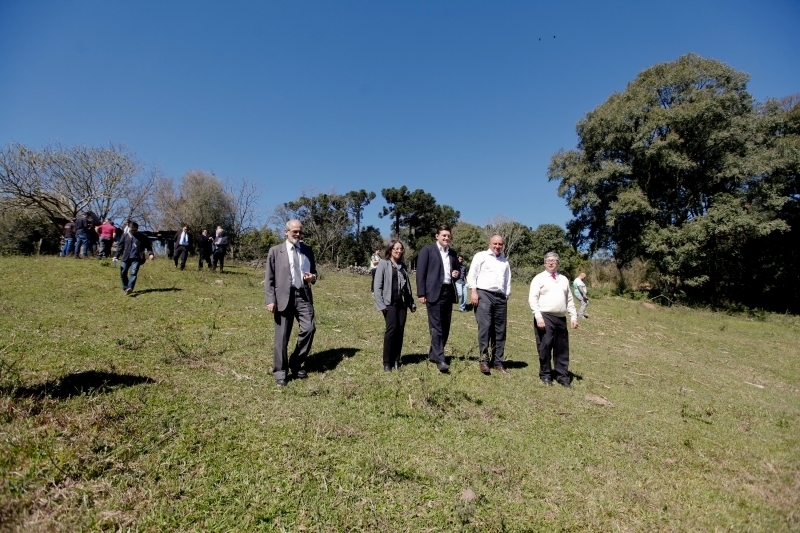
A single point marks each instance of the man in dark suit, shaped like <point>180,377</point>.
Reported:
<point>437,270</point>
<point>290,272</point>
<point>183,243</point>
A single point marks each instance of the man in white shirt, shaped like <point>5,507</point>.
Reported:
<point>551,300</point>
<point>579,290</point>
<point>489,280</point>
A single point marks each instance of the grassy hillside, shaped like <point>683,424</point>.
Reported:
<point>159,412</point>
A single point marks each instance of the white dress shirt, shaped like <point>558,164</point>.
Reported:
<point>490,272</point>
<point>448,276</point>
<point>303,263</point>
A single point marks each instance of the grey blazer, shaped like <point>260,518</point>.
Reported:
<point>278,277</point>
<point>383,285</point>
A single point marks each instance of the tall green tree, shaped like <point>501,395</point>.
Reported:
<point>356,202</point>
<point>416,214</point>
<point>672,170</point>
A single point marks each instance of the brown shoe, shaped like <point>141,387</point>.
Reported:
<point>501,369</point>
<point>484,367</point>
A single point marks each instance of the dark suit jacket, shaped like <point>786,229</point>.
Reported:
<point>188,238</point>
<point>278,277</point>
<point>430,272</point>
<point>143,243</point>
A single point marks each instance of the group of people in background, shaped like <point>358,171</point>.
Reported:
<point>210,250</point>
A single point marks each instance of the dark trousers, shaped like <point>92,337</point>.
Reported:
<point>300,308</point>
<point>181,252</point>
<point>395,316</point>
<point>204,256</point>
<point>553,341</point>
<point>491,314</point>
<point>218,257</point>
<point>439,314</point>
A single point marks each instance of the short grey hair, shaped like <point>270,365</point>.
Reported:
<point>289,223</point>
<point>552,254</point>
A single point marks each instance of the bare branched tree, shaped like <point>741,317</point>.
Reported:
<point>63,182</point>
<point>513,232</point>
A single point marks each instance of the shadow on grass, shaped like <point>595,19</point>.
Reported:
<point>76,384</point>
<point>516,364</point>
<point>145,291</point>
<point>413,358</point>
<point>328,359</point>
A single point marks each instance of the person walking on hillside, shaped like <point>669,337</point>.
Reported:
<point>132,254</point>
<point>461,286</point>
<point>220,249</point>
<point>489,280</point>
<point>437,268</point>
<point>579,289</point>
<point>393,298</point>
<point>290,272</point>
<point>183,243</point>
<point>204,247</point>
<point>551,300</point>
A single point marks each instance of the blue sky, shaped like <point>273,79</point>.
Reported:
<point>459,98</point>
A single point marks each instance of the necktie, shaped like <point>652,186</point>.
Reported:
<point>298,279</point>
<point>553,274</point>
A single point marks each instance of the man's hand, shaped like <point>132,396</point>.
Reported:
<point>422,299</point>
<point>540,323</point>
<point>455,274</point>
<point>271,308</point>
<point>574,324</point>
<point>474,297</point>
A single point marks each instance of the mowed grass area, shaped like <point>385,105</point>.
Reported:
<point>159,412</point>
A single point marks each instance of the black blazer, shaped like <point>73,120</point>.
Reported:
<point>430,272</point>
<point>142,243</point>
<point>189,239</point>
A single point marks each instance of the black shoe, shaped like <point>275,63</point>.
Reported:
<point>387,368</point>
<point>443,367</point>
<point>397,365</point>
<point>280,382</point>
<point>301,374</point>
<point>547,381</point>
<point>565,384</point>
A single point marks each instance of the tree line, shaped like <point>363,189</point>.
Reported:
<point>41,190</point>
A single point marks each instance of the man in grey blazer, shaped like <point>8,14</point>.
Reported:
<point>291,270</point>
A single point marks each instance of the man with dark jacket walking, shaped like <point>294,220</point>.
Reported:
<point>132,254</point>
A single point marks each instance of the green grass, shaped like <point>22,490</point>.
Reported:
<point>159,412</point>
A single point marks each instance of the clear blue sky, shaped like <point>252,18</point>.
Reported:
<point>459,98</point>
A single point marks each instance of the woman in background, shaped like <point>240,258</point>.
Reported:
<point>393,297</point>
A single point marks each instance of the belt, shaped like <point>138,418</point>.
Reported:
<point>496,293</point>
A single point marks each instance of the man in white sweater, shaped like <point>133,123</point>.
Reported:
<point>550,299</point>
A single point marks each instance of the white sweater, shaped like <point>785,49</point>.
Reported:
<point>551,296</point>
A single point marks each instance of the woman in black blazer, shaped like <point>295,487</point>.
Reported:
<point>393,297</point>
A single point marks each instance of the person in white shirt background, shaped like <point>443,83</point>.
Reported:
<point>579,290</point>
<point>551,300</point>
